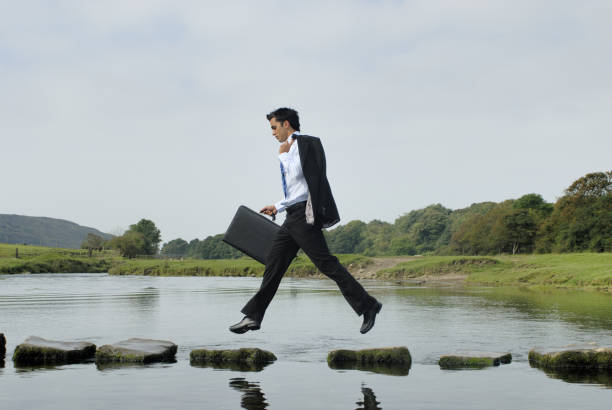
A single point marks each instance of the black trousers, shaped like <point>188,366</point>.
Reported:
<point>294,234</point>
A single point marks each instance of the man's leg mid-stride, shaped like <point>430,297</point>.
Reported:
<point>281,254</point>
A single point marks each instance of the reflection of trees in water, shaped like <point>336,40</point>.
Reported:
<point>144,300</point>
<point>252,396</point>
<point>369,400</point>
<point>587,309</point>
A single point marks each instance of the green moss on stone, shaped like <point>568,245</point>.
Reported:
<point>233,359</point>
<point>139,351</point>
<point>584,357</point>
<point>473,360</point>
<point>40,352</point>
<point>385,355</point>
<point>455,362</point>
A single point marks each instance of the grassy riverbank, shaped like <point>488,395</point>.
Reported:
<point>301,267</point>
<point>574,270</point>
<point>41,259</point>
<point>38,259</point>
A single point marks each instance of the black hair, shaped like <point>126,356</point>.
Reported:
<point>286,114</point>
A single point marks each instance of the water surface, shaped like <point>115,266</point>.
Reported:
<point>306,320</point>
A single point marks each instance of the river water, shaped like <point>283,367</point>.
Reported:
<point>306,320</point>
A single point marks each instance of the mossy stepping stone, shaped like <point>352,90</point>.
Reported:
<point>473,360</point>
<point>572,357</point>
<point>244,359</point>
<point>36,351</point>
<point>387,360</point>
<point>136,350</point>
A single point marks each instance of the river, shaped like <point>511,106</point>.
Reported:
<point>306,320</point>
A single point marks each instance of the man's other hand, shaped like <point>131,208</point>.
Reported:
<point>268,210</point>
<point>285,146</point>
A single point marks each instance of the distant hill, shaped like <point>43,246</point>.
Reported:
<point>35,230</point>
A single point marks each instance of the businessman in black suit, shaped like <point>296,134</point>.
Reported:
<point>310,207</point>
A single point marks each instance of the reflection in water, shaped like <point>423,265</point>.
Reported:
<point>106,366</point>
<point>237,367</point>
<point>145,300</point>
<point>252,397</point>
<point>382,368</point>
<point>583,377</point>
<point>369,400</point>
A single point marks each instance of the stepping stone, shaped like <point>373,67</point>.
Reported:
<point>244,359</point>
<point>572,357</point>
<point>473,360</point>
<point>136,350</point>
<point>387,360</point>
<point>36,351</point>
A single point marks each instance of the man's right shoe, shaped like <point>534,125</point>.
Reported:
<point>245,325</point>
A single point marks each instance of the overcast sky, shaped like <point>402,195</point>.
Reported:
<point>113,111</point>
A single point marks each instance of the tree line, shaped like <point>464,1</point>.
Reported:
<point>580,220</point>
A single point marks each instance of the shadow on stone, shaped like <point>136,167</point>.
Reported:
<point>394,361</point>
<point>36,351</point>
<point>473,360</point>
<point>369,400</point>
<point>245,359</point>
<point>136,350</point>
<point>252,396</point>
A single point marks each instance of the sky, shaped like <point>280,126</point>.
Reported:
<point>120,110</point>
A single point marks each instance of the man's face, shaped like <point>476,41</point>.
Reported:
<point>280,130</point>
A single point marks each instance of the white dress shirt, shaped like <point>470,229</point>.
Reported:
<point>297,189</point>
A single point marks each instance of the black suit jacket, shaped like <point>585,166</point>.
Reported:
<point>312,158</point>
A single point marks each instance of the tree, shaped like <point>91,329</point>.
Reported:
<point>152,235</point>
<point>593,185</point>
<point>176,247</point>
<point>130,244</point>
<point>346,238</point>
<point>535,202</point>
<point>93,241</point>
<point>581,219</point>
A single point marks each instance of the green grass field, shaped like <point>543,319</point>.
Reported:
<point>40,259</point>
<point>573,270</point>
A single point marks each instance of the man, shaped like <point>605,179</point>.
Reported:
<point>310,207</point>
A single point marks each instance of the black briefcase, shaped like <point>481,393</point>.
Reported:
<point>251,233</point>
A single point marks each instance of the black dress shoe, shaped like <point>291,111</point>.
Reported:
<point>369,316</point>
<point>244,325</point>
